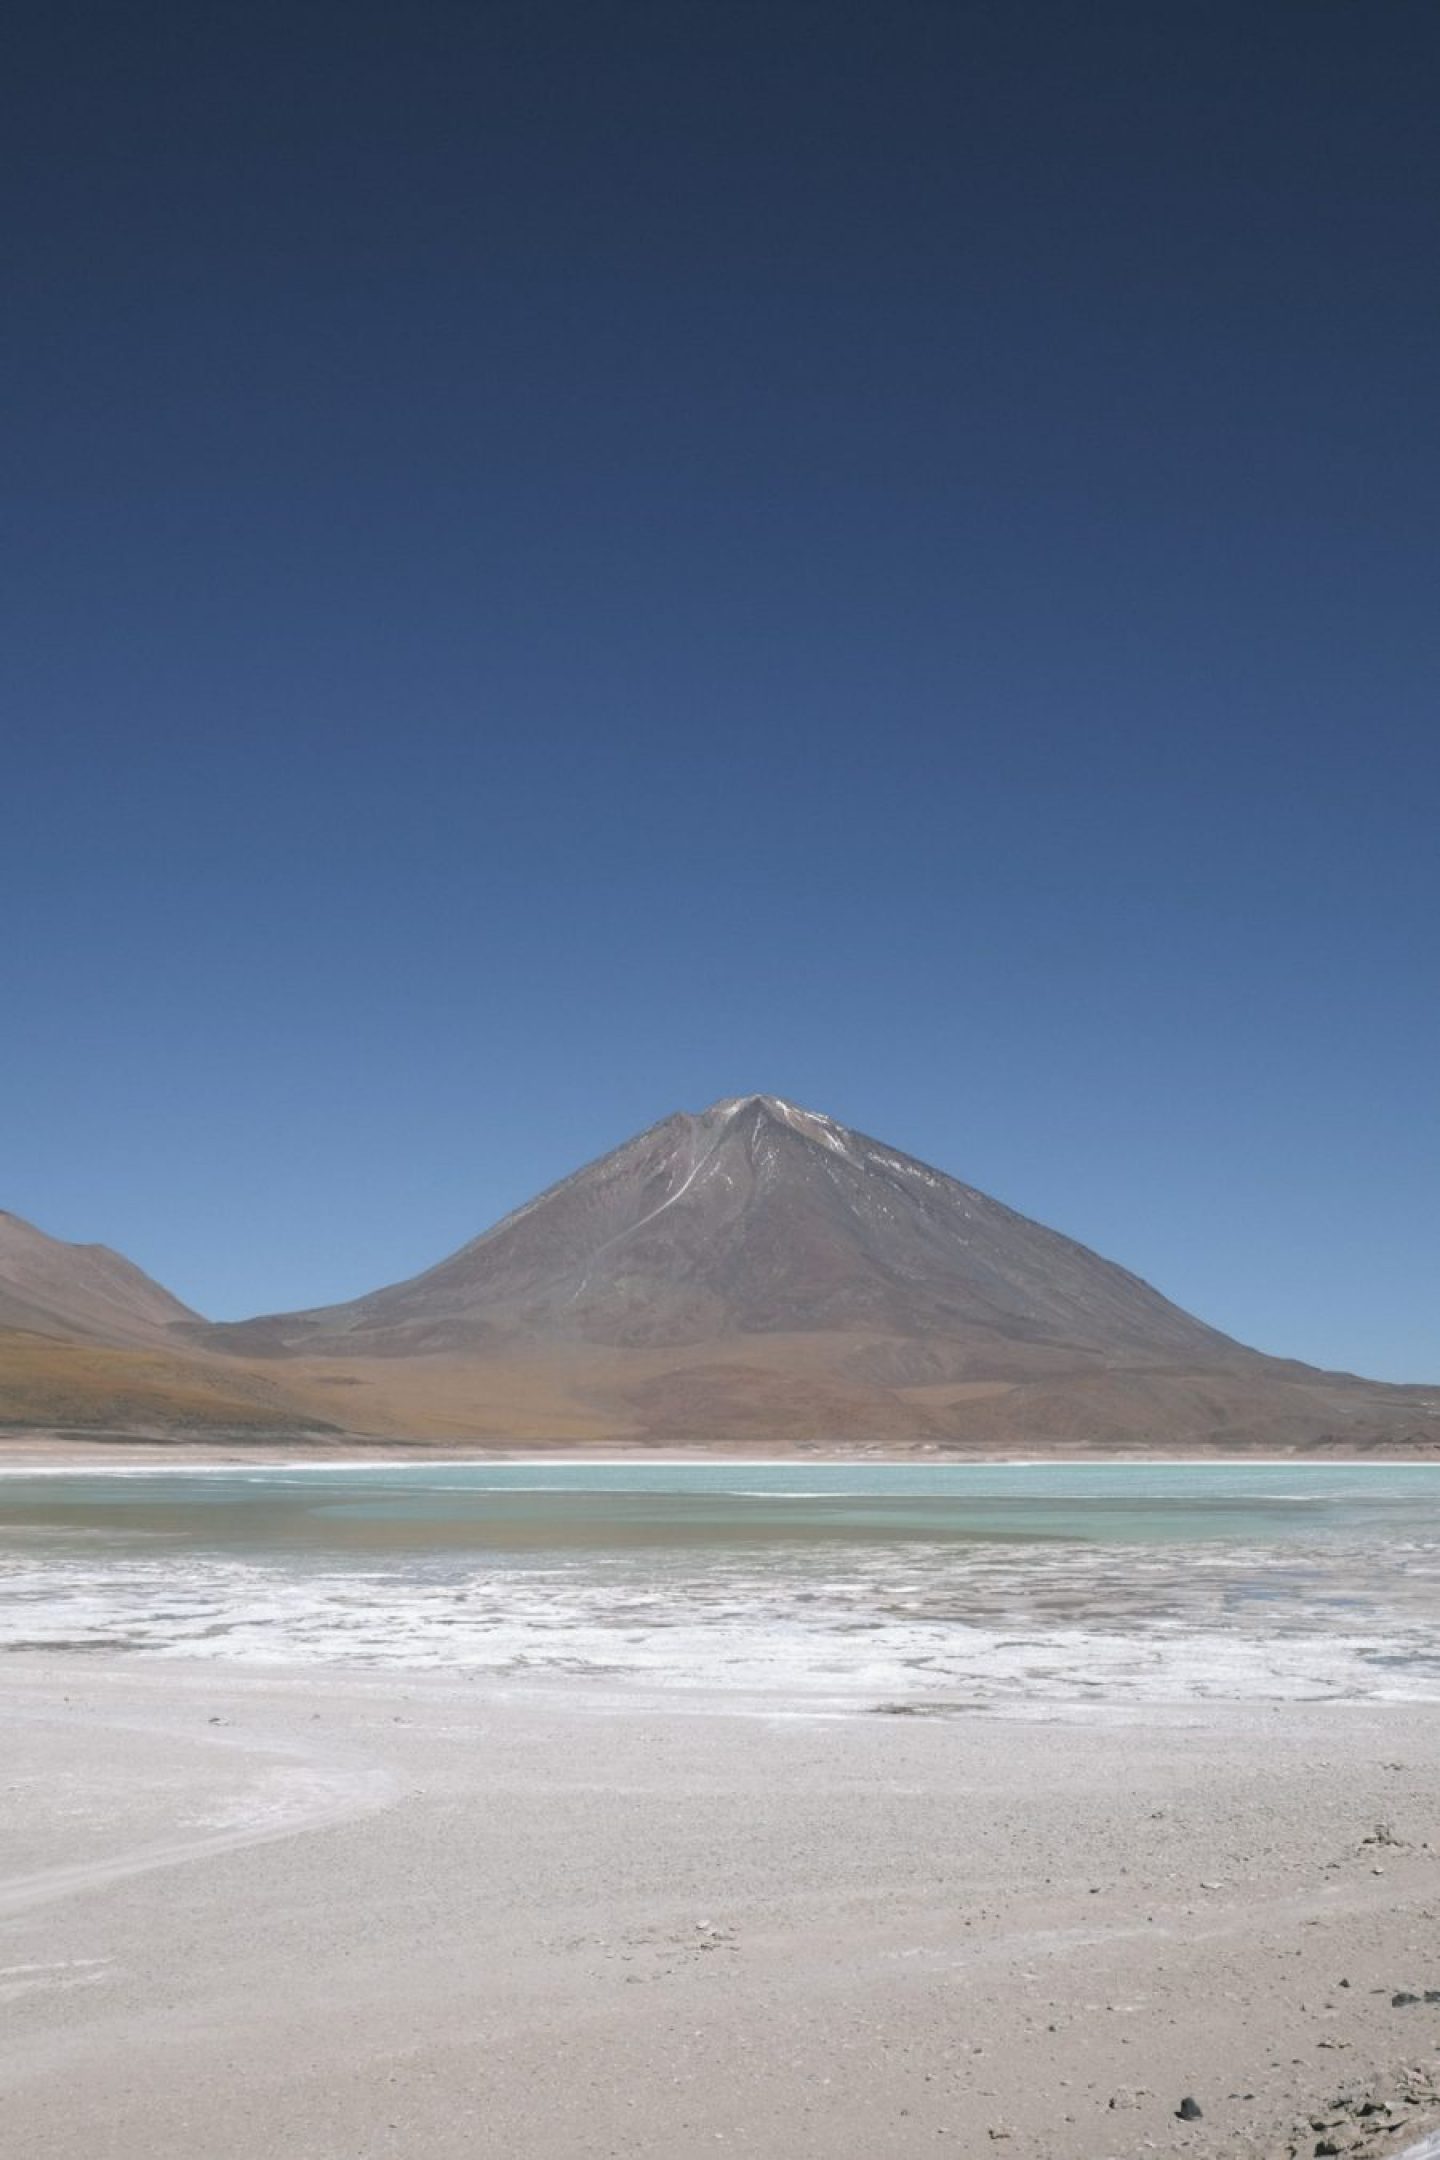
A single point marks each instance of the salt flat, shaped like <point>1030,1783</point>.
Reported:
<point>338,1913</point>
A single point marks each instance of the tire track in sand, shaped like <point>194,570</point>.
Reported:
<point>337,1786</point>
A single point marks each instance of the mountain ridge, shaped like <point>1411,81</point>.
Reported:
<point>48,1285</point>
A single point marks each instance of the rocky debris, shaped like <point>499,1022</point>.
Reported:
<point>1364,2122</point>
<point>1189,2110</point>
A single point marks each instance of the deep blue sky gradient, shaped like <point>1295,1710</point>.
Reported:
<point>565,561</point>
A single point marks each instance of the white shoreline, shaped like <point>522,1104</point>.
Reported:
<point>729,1462</point>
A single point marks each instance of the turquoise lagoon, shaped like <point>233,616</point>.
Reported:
<point>855,1585</point>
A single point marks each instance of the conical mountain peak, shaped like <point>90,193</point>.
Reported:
<point>812,1124</point>
<point>759,1217</point>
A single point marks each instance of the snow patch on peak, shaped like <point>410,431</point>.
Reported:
<point>813,1126</point>
<point>731,1105</point>
<point>810,1124</point>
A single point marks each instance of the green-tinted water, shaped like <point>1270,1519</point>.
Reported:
<point>587,1504</point>
<point>982,1584</point>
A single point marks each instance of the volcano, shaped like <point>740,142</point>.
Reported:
<point>754,1275</point>
<point>756,1217</point>
<point>760,1274</point>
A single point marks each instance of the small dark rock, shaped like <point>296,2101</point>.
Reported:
<point>1402,1999</point>
<point>1189,2110</point>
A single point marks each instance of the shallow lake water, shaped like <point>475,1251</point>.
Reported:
<point>955,1586</point>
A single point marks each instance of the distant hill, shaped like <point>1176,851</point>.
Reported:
<point>80,1291</point>
<point>88,1340</point>
<point>754,1276</point>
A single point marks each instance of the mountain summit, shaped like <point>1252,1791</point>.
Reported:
<point>758,1217</point>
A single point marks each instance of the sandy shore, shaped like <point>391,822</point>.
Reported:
<point>332,1918</point>
<point>36,1449</point>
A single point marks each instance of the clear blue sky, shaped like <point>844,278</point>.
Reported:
<point>562,561</point>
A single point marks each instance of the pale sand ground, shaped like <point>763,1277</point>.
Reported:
<point>421,1917</point>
